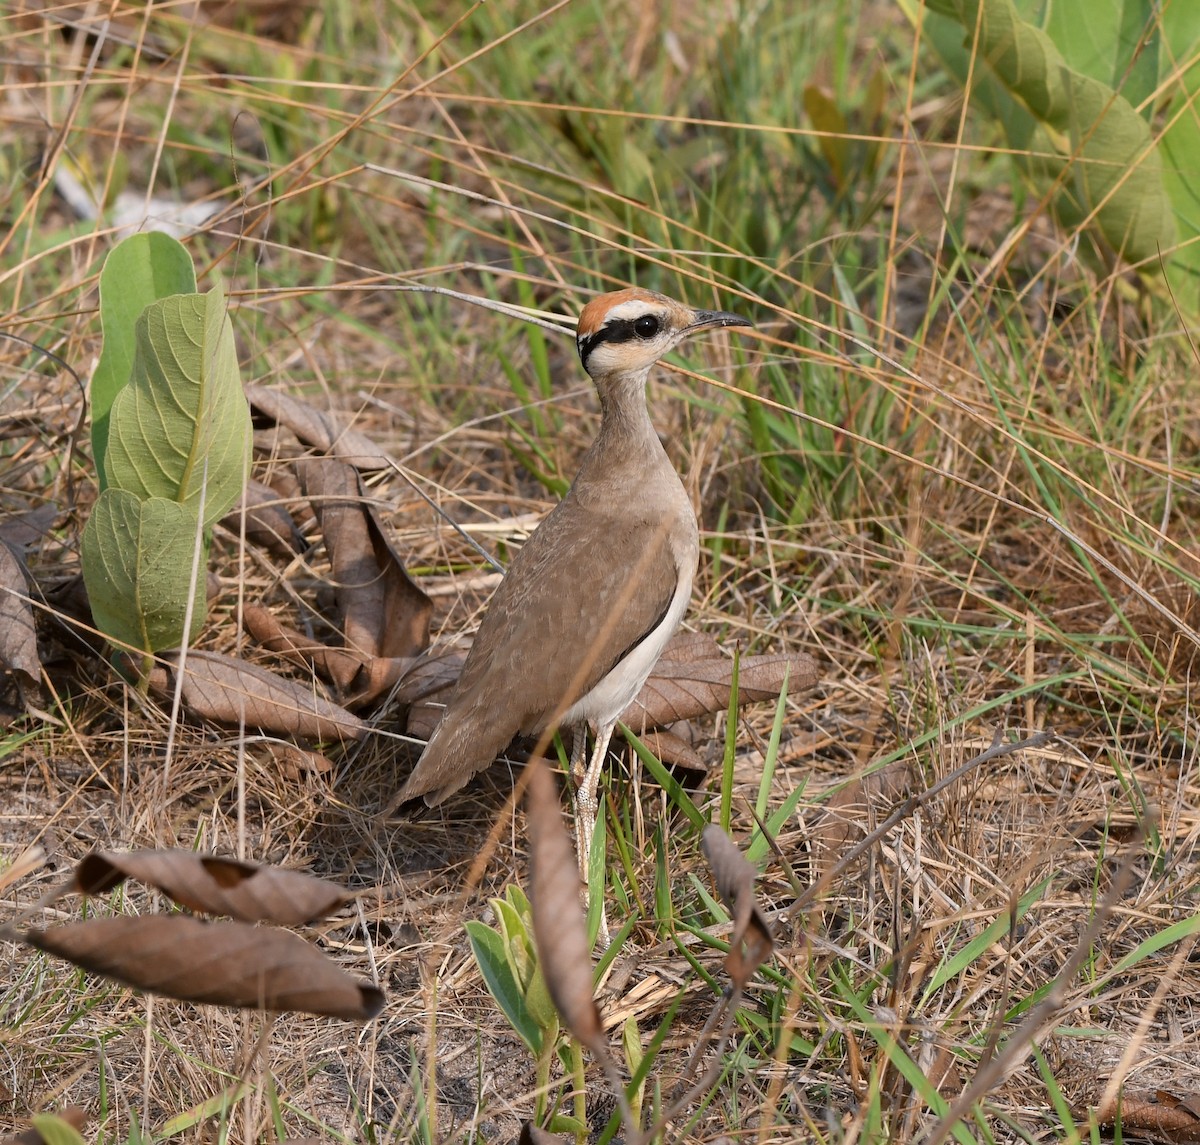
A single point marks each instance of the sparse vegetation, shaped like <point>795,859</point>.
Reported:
<point>958,467</point>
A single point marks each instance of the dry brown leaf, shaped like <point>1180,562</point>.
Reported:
<point>74,1115</point>
<point>268,524</point>
<point>559,927</point>
<point>216,885</point>
<point>382,612</point>
<point>292,762</point>
<point>1160,1115</point>
<point>750,944</point>
<point>339,666</point>
<point>359,680</point>
<point>849,810</point>
<point>318,428</point>
<point>223,963</point>
<point>29,526</point>
<point>18,637</point>
<point>224,690</point>
<point>674,751</point>
<point>687,646</point>
<point>682,689</point>
<point>532,1135</point>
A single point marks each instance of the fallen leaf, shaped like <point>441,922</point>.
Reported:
<point>532,1135</point>
<point>686,646</point>
<point>227,691</point>
<point>359,679</point>
<point>337,665</point>
<point>750,943</point>
<point>223,963</point>
<point>1161,1115</point>
<point>52,1128</point>
<point>559,927</point>
<point>318,428</point>
<point>268,523</point>
<point>381,610</point>
<point>18,637</point>
<point>849,811</point>
<point>29,526</point>
<point>216,885</point>
<point>292,762</point>
<point>682,689</point>
<point>674,751</point>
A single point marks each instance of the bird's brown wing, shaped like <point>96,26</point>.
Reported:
<point>570,608</point>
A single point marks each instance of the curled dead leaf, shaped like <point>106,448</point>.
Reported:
<point>318,428</point>
<point>559,928</point>
<point>1160,1115</point>
<point>382,612</point>
<point>294,763</point>
<point>228,691</point>
<point>216,885</point>
<point>18,637</point>
<point>359,679</point>
<point>750,943</point>
<point>268,523</point>
<point>223,963</point>
<point>339,666</point>
<point>850,809</point>
<point>675,751</point>
<point>682,689</point>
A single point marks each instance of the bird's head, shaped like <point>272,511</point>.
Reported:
<point>628,331</point>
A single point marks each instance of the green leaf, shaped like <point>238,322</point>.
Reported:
<point>541,1006</point>
<point>1114,169</point>
<point>1115,43</point>
<point>488,948</point>
<point>140,270</point>
<point>514,927</point>
<point>54,1130</point>
<point>1168,936</point>
<point>137,564</point>
<point>1180,146</point>
<point>182,425</point>
<point>993,933</point>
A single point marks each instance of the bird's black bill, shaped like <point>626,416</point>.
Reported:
<point>714,319</point>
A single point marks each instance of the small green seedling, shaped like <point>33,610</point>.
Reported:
<point>507,958</point>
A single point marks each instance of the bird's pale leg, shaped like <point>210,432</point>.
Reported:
<point>586,807</point>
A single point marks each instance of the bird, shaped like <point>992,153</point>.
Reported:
<point>589,602</point>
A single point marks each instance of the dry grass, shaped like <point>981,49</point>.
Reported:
<point>988,523</point>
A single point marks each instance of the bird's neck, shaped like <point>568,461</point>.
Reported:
<point>624,419</point>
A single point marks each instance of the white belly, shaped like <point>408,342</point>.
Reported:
<point>613,694</point>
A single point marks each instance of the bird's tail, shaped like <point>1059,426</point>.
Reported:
<point>458,750</point>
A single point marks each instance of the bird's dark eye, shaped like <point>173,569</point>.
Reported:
<point>646,326</point>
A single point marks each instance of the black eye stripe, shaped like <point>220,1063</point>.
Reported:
<point>615,330</point>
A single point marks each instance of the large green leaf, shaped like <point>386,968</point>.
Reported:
<point>1113,41</point>
<point>140,270</point>
<point>1180,141</point>
<point>1091,142</point>
<point>137,564</point>
<point>182,425</point>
